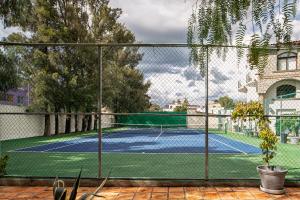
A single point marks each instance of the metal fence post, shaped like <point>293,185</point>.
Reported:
<point>206,116</point>
<point>99,111</point>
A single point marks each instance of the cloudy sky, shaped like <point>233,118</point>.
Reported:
<point>156,20</point>
<point>168,69</point>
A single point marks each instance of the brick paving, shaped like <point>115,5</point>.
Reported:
<point>156,193</point>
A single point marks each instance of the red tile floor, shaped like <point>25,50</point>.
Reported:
<point>157,193</point>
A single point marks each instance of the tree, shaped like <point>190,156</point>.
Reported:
<point>154,107</point>
<point>213,22</point>
<point>64,77</point>
<point>226,102</point>
<point>8,73</point>
<point>183,107</point>
<point>254,111</point>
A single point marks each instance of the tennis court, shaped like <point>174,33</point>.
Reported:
<point>145,140</point>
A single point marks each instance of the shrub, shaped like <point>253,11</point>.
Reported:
<point>3,163</point>
<point>255,111</point>
<point>268,144</point>
<point>290,123</point>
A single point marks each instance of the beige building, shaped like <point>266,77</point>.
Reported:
<point>170,107</point>
<point>278,88</point>
<point>215,122</point>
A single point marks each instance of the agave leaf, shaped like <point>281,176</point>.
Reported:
<point>54,186</point>
<point>60,193</point>
<point>96,195</point>
<point>101,186</point>
<point>75,187</point>
<point>84,196</point>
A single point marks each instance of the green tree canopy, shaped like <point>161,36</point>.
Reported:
<point>217,22</point>
<point>65,77</point>
<point>226,102</point>
<point>154,107</point>
<point>183,107</point>
<point>8,73</point>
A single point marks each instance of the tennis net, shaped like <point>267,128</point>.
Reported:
<point>152,128</point>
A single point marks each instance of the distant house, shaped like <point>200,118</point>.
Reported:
<point>16,97</point>
<point>170,107</point>
<point>214,108</point>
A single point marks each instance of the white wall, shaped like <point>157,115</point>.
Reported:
<point>13,126</point>
<point>20,126</point>
<point>199,121</point>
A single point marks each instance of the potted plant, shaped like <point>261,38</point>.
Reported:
<point>272,177</point>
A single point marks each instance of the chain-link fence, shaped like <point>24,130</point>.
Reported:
<point>161,115</point>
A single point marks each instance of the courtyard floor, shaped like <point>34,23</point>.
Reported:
<point>156,193</point>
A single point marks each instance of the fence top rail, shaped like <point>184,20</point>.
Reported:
<point>133,45</point>
<point>114,44</point>
<point>132,114</point>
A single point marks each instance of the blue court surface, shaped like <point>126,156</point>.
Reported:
<point>149,141</point>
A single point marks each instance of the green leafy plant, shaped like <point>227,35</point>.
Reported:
<point>268,145</point>
<point>183,107</point>
<point>3,163</point>
<point>254,111</point>
<point>213,22</point>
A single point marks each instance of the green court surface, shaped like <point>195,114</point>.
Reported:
<point>141,165</point>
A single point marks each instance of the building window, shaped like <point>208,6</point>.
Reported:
<point>287,61</point>
<point>20,100</point>
<point>286,91</point>
<point>10,98</point>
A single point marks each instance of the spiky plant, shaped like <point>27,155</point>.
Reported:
<point>60,192</point>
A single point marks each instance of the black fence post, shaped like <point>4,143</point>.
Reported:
<point>99,111</point>
<point>206,117</point>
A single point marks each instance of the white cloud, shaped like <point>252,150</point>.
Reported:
<point>4,32</point>
<point>156,21</point>
<point>224,75</point>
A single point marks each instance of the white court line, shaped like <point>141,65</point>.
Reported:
<point>85,135</point>
<point>159,135</point>
<point>228,145</point>
<point>61,147</point>
<point>129,153</point>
